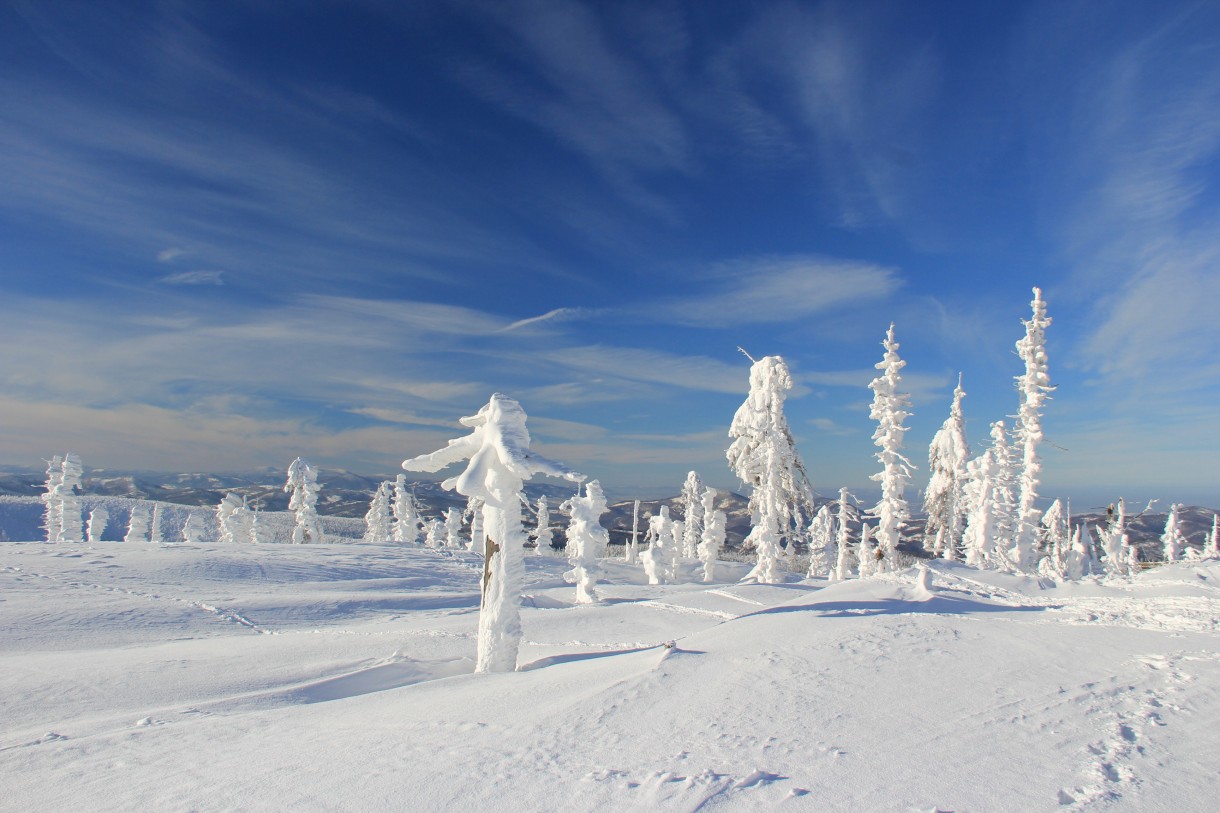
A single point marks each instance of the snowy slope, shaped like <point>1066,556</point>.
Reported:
<point>337,677</point>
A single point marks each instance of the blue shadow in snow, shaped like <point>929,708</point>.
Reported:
<point>555,660</point>
<point>937,605</point>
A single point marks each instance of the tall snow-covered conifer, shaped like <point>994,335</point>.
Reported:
<point>692,514</point>
<point>232,519</point>
<point>378,528</point>
<point>500,460</point>
<point>763,454</point>
<point>71,521</point>
<point>52,516</point>
<point>1212,551</point>
<point>632,552</point>
<point>945,497</point>
<point>137,525</point>
<point>1172,541</point>
<point>889,410</point>
<point>843,557</point>
<point>474,510</point>
<point>714,522</point>
<point>303,486</point>
<point>822,552</point>
<point>587,540</point>
<point>1033,387</point>
<point>156,530</point>
<point>406,513</point>
<point>658,559</point>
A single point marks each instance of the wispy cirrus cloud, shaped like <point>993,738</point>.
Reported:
<point>194,278</point>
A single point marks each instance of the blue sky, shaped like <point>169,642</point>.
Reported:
<point>236,233</point>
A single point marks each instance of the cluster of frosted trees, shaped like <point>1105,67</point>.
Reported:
<point>672,543</point>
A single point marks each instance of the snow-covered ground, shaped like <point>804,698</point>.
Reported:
<point>338,677</point>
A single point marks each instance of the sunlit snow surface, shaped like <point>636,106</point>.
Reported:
<point>337,677</point>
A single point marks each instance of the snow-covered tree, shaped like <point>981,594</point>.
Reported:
<point>1115,544</point>
<point>1081,560</point>
<point>303,486</point>
<point>52,516</point>
<point>763,454</point>
<point>989,494</point>
<point>192,529</point>
<point>1212,551</point>
<point>453,528</point>
<point>474,510</point>
<point>498,449</point>
<point>434,534</point>
<point>1172,541</point>
<point>542,535</point>
<point>714,523</point>
<point>378,527</point>
<point>658,559</point>
<point>98,518</point>
<point>232,519</point>
<point>255,527</point>
<point>406,513</point>
<point>1058,542</point>
<point>155,529</point>
<point>675,552</point>
<point>587,540</point>
<point>137,524</point>
<point>1033,387</point>
<point>71,522</point>
<point>692,514</point>
<point>945,497</point>
<point>889,410</point>
<point>822,553</point>
<point>843,558</point>
<point>867,558</point>
<point>632,548</point>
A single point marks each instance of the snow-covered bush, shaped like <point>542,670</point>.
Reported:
<point>714,523</point>
<point>692,514</point>
<point>867,554</point>
<point>587,540</point>
<point>378,528</point>
<point>98,518</point>
<point>453,528</point>
<point>435,536</point>
<point>889,410</point>
<point>302,484</point>
<point>945,497</point>
<point>500,460</point>
<point>763,454</point>
<point>233,519</point>
<point>1033,387</point>
<point>658,559</point>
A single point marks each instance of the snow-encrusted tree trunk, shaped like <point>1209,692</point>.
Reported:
<point>1033,388</point>
<point>474,510</point>
<point>843,557</point>
<point>192,529</point>
<point>303,485</point>
<point>500,460</point>
<point>137,525</point>
<point>658,559</point>
<point>632,552</point>
<point>156,529</point>
<point>1115,544</point>
<point>866,553</point>
<point>378,528</point>
<point>1212,551</point>
<point>675,551</point>
<point>71,521</point>
<point>255,527</point>
<point>98,518</point>
<point>945,497</point>
<point>542,535</point>
<point>763,454</point>
<point>587,540</point>
<point>821,543</point>
<point>51,512</point>
<point>1172,541</point>
<point>714,524</point>
<point>692,514</point>
<point>889,410</point>
<point>406,513</point>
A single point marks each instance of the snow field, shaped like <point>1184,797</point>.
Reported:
<point>339,677</point>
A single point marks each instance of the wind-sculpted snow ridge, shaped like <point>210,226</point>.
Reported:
<point>134,680</point>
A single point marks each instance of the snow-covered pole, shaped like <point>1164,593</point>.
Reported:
<point>500,460</point>
<point>1033,387</point>
<point>632,554</point>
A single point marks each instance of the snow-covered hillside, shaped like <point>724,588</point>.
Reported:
<point>337,677</point>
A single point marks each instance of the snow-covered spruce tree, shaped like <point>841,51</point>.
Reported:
<point>155,529</point>
<point>1172,541</point>
<point>867,559</point>
<point>192,529</point>
<point>1212,551</point>
<point>474,510</point>
<point>254,526</point>
<point>453,528</point>
<point>1115,544</point>
<point>50,499</point>
<point>1058,543</point>
<point>406,513</point>
<point>71,521</point>
<point>378,527</point>
<point>434,534</point>
<point>587,540</point>
<point>843,558</point>
<point>692,514</point>
<point>543,537</point>
<point>945,497</point>
<point>303,486</point>
<point>714,523</point>
<point>231,516</point>
<point>498,449</point>
<point>98,518</point>
<point>889,411</point>
<point>1080,560</point>
<point>631,552</point>
<point>989,493</point>
<point>137,525</point>
<point>1033,387</point>
<point>658,559</point>
<point>822,552</point>
<point>763,454</point>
